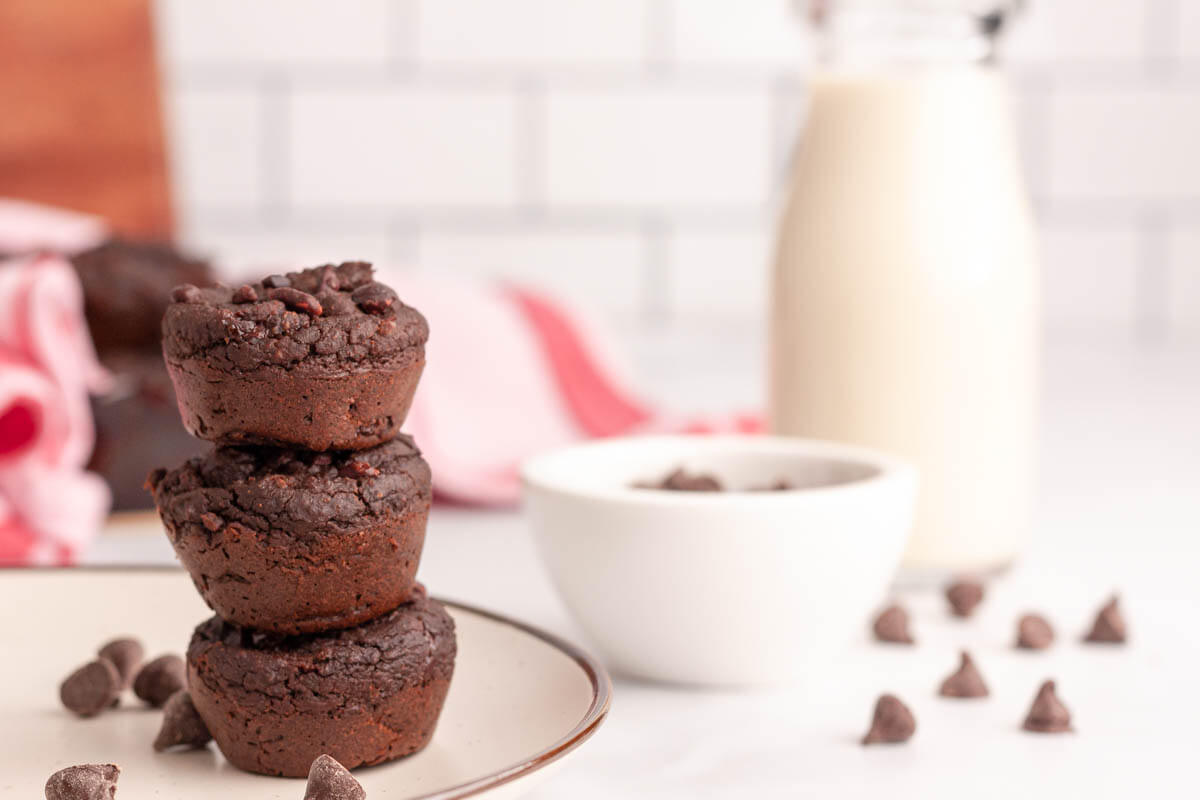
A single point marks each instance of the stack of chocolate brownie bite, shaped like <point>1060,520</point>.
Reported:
<point>303,526</point>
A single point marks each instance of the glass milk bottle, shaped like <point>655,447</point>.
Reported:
<point>905,308</point>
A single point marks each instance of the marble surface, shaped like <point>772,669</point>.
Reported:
<point>1118,510</point>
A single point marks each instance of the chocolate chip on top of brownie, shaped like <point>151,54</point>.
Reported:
<point>329,313</point>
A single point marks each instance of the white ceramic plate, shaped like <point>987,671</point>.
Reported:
<point>521,700</point>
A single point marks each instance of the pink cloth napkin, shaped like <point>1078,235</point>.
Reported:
<point>49,506</point>
<point>511,373</point>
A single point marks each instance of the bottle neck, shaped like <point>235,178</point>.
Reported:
<point>884,36</point>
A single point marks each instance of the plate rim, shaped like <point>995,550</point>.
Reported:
<point>597,675</point>
<point>595,715</point>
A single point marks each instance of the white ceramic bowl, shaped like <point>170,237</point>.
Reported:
<point>730,588</point>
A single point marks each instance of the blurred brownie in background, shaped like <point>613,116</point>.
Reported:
<point>126,287</point>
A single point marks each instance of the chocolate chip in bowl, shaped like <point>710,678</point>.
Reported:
<point>725,588</point>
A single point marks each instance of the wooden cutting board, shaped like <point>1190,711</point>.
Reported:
<point>81,121</point>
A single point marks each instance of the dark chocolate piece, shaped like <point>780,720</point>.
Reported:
<point>1109,626</point>
<point>1048,714</point>
<point>181,724</point>
<point>186,293</point>
<point>84,782</point>
<point>126,655</point>
<point>374,297</point>
<point>329,780</point>
<point>245,294</point>
<point>892,722</point>
<point>159,679</point>
<point>92,688</point>
<point>965,682</point>
<point>1034,632</point>
<point>297,300</point>
<point>964,596</point>
<point>892,626</point>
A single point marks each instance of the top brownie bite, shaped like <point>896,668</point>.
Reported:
<point>126,289</point>
<point>326,358</point>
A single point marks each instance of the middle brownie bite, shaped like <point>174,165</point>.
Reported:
<point>293,541</point>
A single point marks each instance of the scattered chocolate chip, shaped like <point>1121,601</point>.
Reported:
<point>211,521</point>
<point>1048,714</point>
<point>892,626</point>
<point>186,293</point>
<point>964,596</point>
<point>92,688</point>
<point>965,681</point>
<point>84,782</point>
<point>891,723</point>
<point>245,294</point>
<point>329,780</point>
<point>126,655</point>
<point>374,297</point>
<point>357,469</point>
<point>680,480</point>
<point>1034,632</point>
<point>181,724</point>
<point>1109,627</point>
<point>296,300</point>
<point>159,679</point>
<point>276,281</point>
<point>780,485</point>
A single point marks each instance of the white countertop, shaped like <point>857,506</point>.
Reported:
<point>1119,510</point>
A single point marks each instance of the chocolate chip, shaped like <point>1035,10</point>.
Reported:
<point>92,688</point>
<point>1034,632</point>
<point>355,273</point>
<point>891,723</point>
<point>296,300</point>
<point>357,469</point>
<point>328,279</point>
<point>126,655</point>
<point>892,626</point>
<point>329,780</point>
<point>1109,627</point>
<point>181,724</point>
<point>186,293</point>
<point>336,304</point>
<point>683,481</point>
<point>1048,714</point>
<point>965,681</point>
<point>276,281</point>
<point>159,679</point>
<point>779,485</point>
<point>245,294</point>
<point>374,297</point>
<point>84,782</point>
<point>211,521</point>
<point>964,596</point>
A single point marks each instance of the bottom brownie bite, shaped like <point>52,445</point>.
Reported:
<point>362,695</point>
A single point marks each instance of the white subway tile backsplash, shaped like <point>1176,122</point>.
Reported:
<point>1090,277</point>
<point>1110,143</point>
<point>214,138</point>
<point>1183,282</point>
<point>653,148</point>
<point>532,32</point>
<point>1054,31</point>
<point>403,147</point>
<point>277,32</point>
<point>598,269</point>
<point>767,33</point>
<point>719,272</point>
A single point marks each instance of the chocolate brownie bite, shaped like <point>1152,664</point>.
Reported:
<point>361,695</point>
<point>292,541</point>
<point>323,359</point>
<point>126,289</point>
